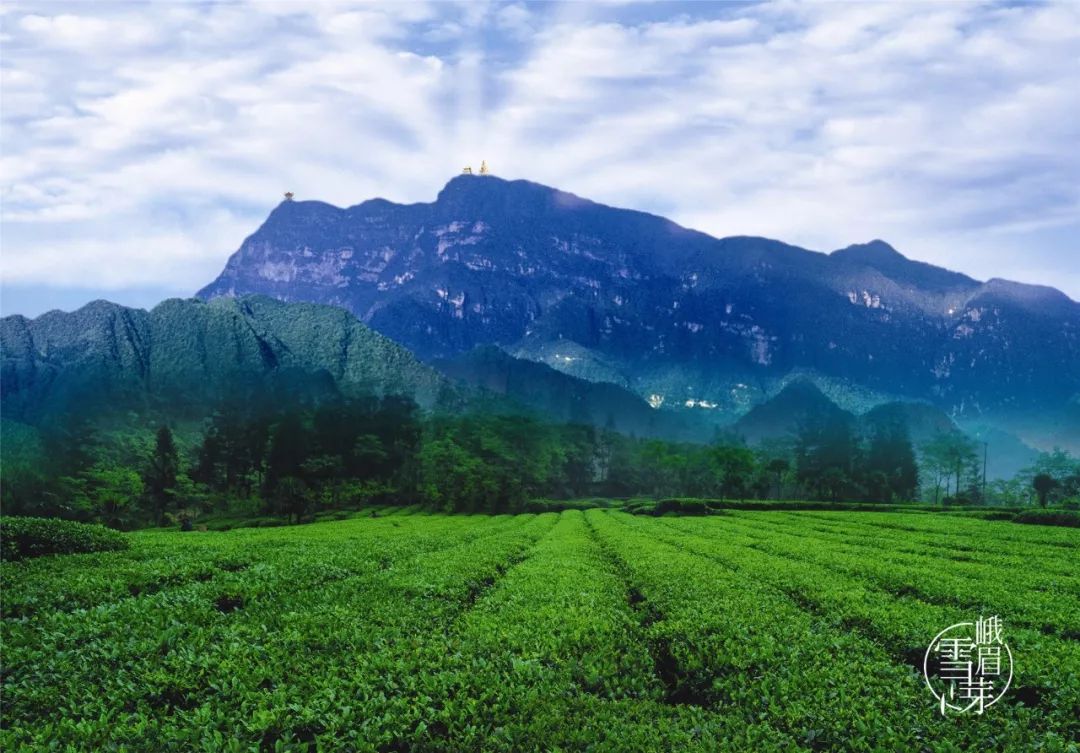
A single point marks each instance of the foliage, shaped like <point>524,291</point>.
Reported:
<point>683,506</point>
<point>833,463</point>
<point>571,631</point>
<point>1069,518</point>
<point>540,505</point>
<point>641,507</point>
<point>950,457</point>
<point>35,537</point>
<point>163,468</point>
<point>108,493</point>
<point>264,454</point>
<point>1043,484</point>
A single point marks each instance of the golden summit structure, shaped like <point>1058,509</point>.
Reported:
<point>467,170</point>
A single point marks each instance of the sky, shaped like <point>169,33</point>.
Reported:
<point>141,142</point>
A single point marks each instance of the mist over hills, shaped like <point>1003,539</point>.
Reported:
<point>563,398</point>
<point>184,357</point>
<point>676,316</point>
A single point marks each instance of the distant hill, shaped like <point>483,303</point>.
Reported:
<point>184,356</point>
<point>801,402</point>
<point>560,397</point>
<point>923,421</point>
<point>781,417</point>
<point>671,314</point>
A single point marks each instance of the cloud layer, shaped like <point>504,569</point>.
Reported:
<point>142,142</point>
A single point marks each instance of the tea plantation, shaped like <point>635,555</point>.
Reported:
<point>595,630</point>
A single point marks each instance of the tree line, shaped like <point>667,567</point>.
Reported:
<point>291,460</point>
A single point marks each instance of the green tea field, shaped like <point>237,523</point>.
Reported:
<point>573,631</point>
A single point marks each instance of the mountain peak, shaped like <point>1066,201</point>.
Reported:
<point>875,252</point>
<point>487,192</point>
<point>880,256</point>
<point>468,182</point>
<point>800,401</point>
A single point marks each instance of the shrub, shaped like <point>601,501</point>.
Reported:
<point>998,515</point>
<point>34,537</point>
<point>1049,518</point>
<point>640,507</point>
<point>540,505</point>
<point>683,506</point>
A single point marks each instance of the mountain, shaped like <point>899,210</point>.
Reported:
<point>559,397</point>
<point>800,403</point>
<point>185,355</point>
<point>780,417</point>
<point>672,314</point>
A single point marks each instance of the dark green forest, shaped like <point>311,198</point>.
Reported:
<point>271,457</point>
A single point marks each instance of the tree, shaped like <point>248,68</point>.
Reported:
<point>1057,463</point>
<point>1043,484</point>
<point>1062,468</point>
<point>291,497</point>
<point>161,473</point>
<point>733,467</point>
<point>1010,492</point>
<point>826,455</point>
<point>950,454</point>
<point>368,456</point>
<point>890,465</point>
<point>577,456</point>
<point>113,492</point>
<point>288,449</point>
<point>777,468</point>
<point>450,475</point>
<point>660,467</point>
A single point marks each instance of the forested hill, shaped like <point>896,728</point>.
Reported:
<point>185,356</point>
<point>559,397</point>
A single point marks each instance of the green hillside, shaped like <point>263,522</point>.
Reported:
<point>184,356</point>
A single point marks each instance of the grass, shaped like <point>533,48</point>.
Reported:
<point>574,630</point>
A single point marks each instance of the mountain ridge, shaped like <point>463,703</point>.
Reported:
<point>671,313</point>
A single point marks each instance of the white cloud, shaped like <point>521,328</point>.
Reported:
<point>949,130</point>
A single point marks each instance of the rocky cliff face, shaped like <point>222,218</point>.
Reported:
<point>679,317</point>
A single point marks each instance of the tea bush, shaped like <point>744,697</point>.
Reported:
<point>1067,518</point>
<point>34,537</point>
<point>598,630</point>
